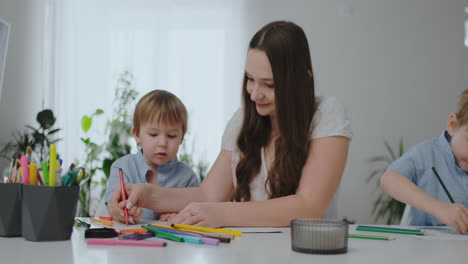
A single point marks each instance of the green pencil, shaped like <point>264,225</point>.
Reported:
<point>370,237</point>
<point>443,185</point>
<point>396,231</point>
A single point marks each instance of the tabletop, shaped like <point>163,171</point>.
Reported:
<point>267,248</point>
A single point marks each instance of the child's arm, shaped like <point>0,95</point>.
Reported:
<point>404,190</point>
<point>114,205</point>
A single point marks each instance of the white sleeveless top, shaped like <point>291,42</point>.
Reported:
<point>330,120</point>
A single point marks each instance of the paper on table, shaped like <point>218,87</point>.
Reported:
<point>441,233</point>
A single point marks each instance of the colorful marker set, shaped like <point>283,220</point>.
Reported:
<point>22,170</point>
<point>177,233</point>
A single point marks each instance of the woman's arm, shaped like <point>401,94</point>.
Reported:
<point>216,187</point>
<point>320,178</point>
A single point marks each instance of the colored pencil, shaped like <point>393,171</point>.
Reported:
<point>443,185</point>
<point>396,231</point>
<point>370,237</point>
<point>390,228</point>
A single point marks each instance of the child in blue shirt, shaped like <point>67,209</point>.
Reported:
<point>411,179</point>
<point>159,126</point>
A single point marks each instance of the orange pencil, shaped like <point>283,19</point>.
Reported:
<point>123,192</point>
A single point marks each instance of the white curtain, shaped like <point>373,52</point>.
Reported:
<point>195,49</point>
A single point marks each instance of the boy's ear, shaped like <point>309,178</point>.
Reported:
<point>136,136</point>
<point>452,124</point>
<point>309,72</point>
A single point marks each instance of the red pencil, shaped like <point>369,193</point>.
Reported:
<point>123,193</point>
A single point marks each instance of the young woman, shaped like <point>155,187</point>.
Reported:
<point>283,153</point>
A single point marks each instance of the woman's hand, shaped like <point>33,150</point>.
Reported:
<point>201,214</point>
<point>455,215</point>
<point>167,217</point>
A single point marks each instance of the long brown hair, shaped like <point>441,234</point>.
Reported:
<point>286,47</point>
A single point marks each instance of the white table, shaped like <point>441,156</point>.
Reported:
<point>250,248</point>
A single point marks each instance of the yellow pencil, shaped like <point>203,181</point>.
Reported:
<point>102,222</point>
<point>208,230</point>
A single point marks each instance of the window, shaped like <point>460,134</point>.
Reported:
<point>193,50</point>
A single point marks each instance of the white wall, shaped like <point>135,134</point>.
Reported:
<point>397,66</point>
<point>22,84</point>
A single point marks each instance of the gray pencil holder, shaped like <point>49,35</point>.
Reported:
<point>48,212</point>
<point>319,236</point>
<point>10,209</point>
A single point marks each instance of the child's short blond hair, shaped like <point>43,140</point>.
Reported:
<point>462,109</point>
<point>162,107</point>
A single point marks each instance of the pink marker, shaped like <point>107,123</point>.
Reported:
<point>209,241</point>
<point>25,169</point>
<point>114,242</point>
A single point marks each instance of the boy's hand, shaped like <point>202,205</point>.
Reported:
<point>455,215</point>
<point>116,207</point>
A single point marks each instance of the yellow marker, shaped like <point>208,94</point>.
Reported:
<point>208,230</point>
<point>33,174</point>
<point>52,164</point>
<point>80,175</point>
<point>102,222</point>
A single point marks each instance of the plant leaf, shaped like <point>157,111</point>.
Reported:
<point>53,131</point>
<point>390,150</point>
<point>402,151</point>
<point>86,123</point>
<point>46,118</point>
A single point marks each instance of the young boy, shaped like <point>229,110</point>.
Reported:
<point>159,126</point>
<point>412,180</point>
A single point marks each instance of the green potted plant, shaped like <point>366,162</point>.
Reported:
<point>385,207</point>
<point>99,157</point>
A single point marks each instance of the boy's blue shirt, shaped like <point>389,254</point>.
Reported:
<point>174,174</point>
<point>416,165</point>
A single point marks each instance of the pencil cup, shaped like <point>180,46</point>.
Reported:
<point>48,212</point>
<point>319,236</point>
<point>10,209</point>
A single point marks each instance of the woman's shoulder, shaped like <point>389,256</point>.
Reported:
<point>232,130</point>
<point>331,118</point>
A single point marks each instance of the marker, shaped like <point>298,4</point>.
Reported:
<point>134,231</point>
<point>123,193</point>
<point>45,171</point>
<point>33,174</point>
<point>209,230</point>
<point>25,169</point>
<point>114,242</point>
<point>108,218</point>
<point>52,164</point>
